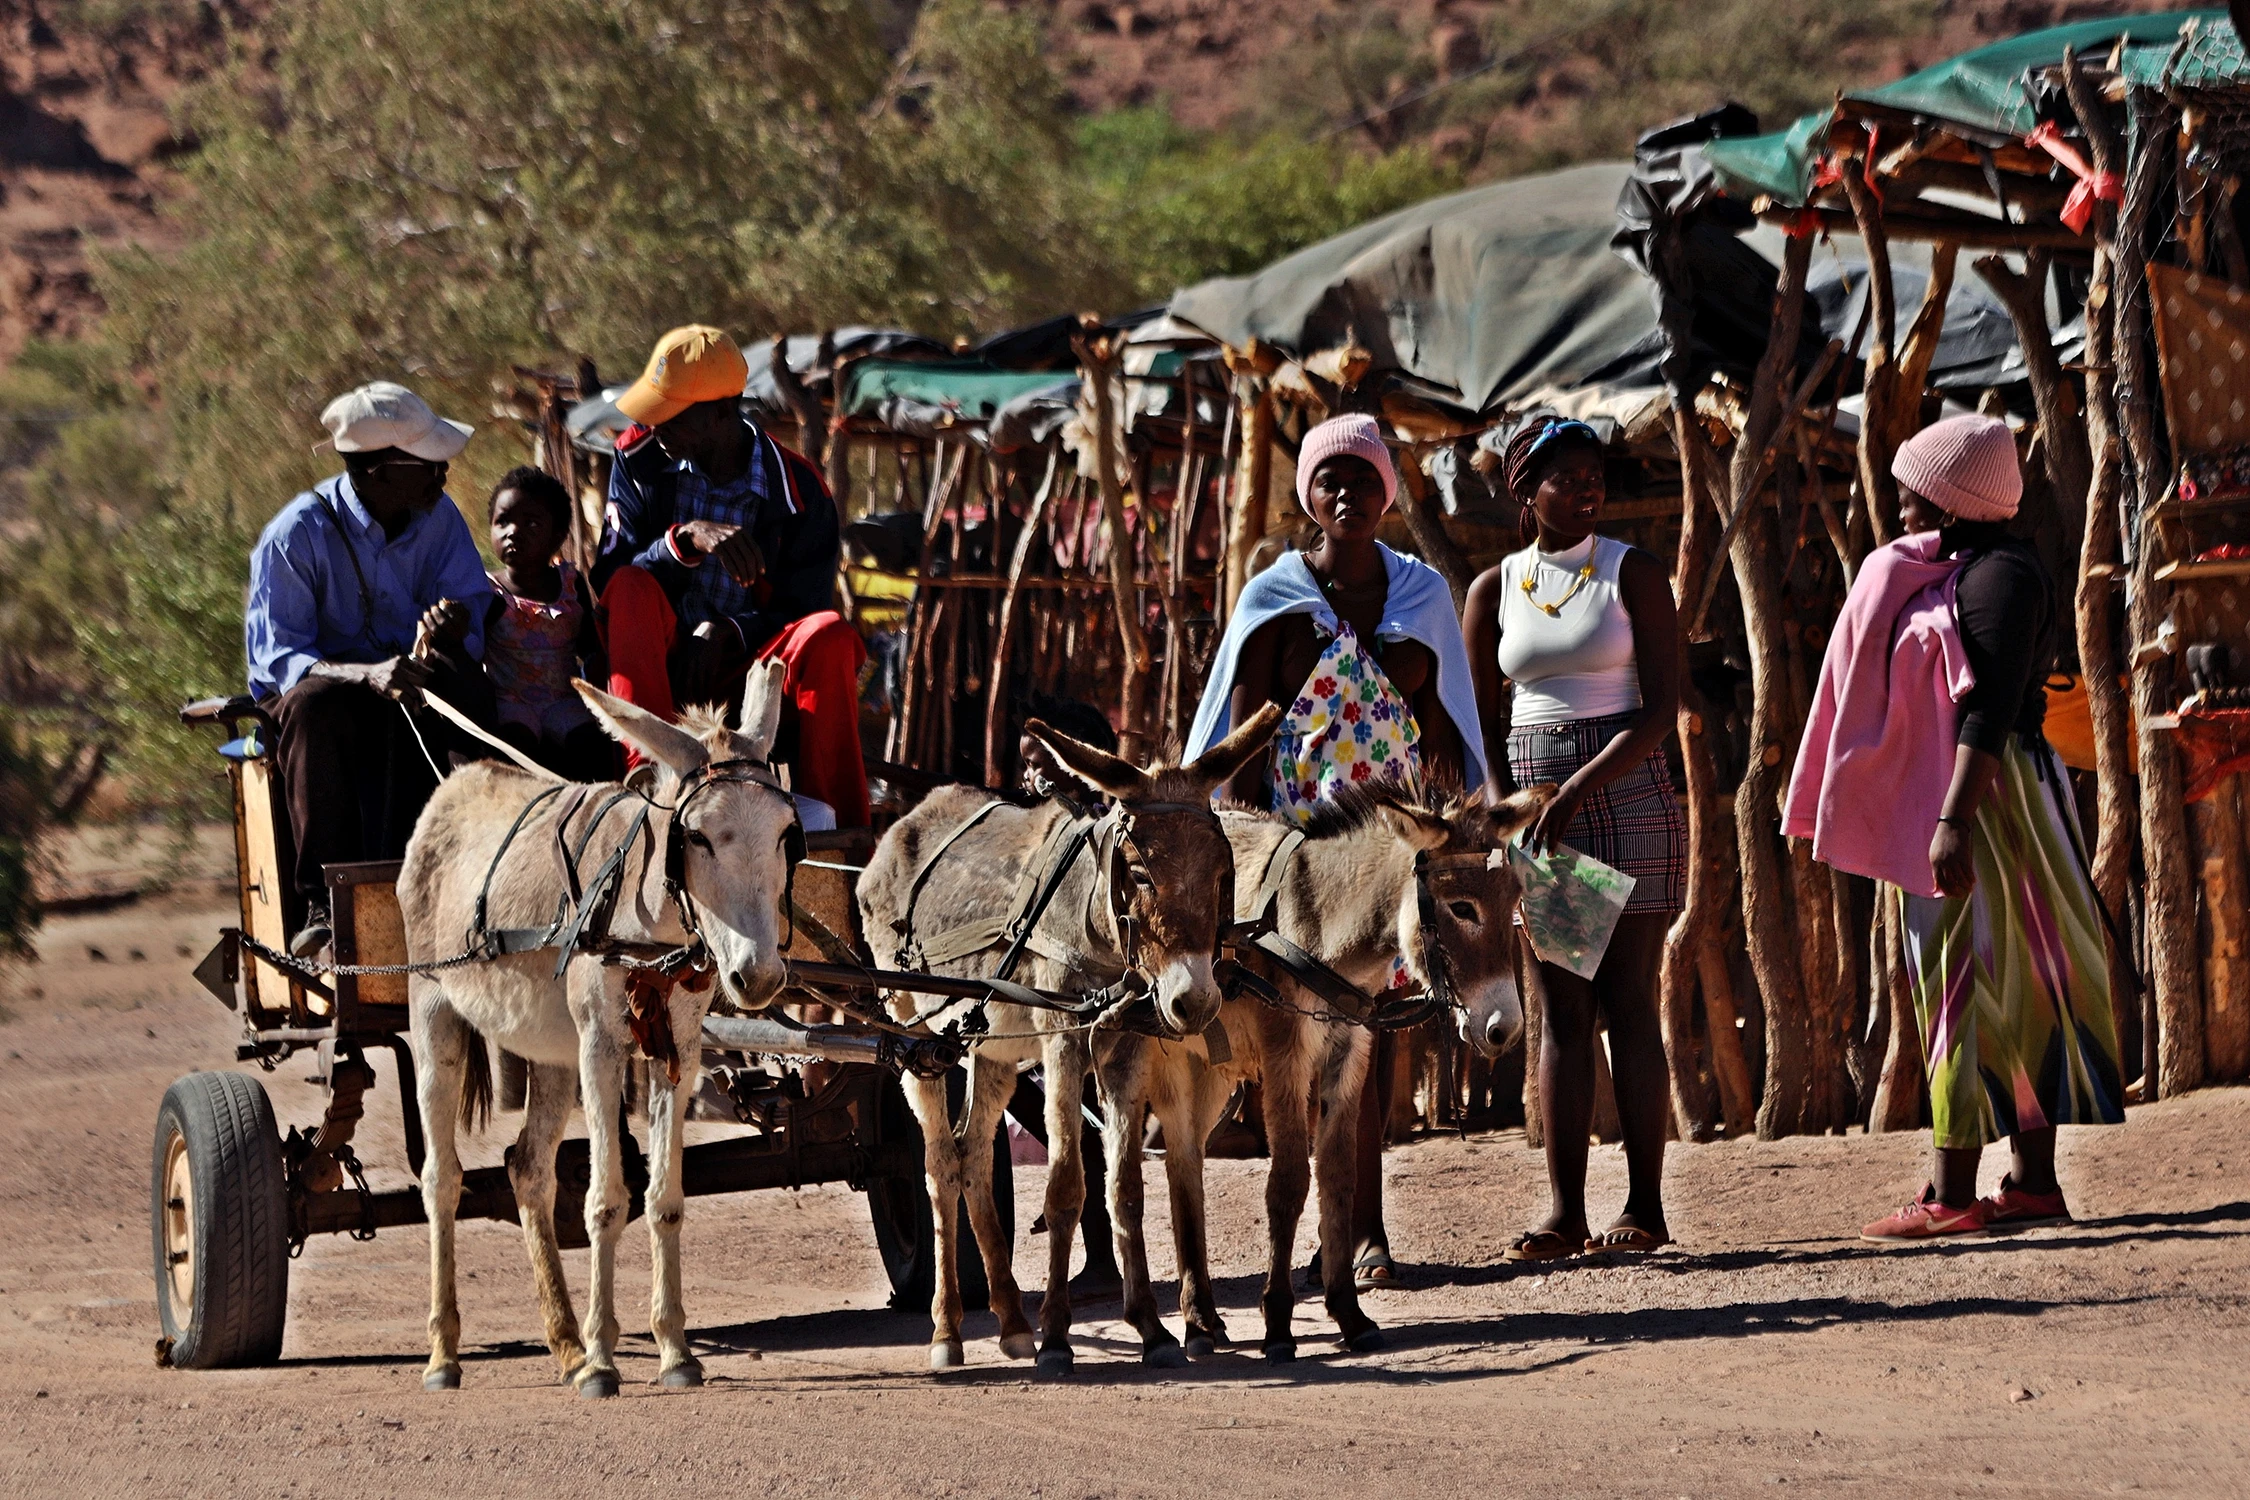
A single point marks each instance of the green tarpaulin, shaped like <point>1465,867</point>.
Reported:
<point>1983,90</point>
<point>970,390</point>
<point>1484,296</point>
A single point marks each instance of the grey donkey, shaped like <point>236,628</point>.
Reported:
<point>577,1031</point>
<point>1383,873</point>
<point>1148,898</point>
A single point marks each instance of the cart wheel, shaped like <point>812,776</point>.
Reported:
<point>219,1222</point>
<point>899,1208</point>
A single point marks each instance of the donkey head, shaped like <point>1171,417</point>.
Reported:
<point>733,828</point>
<point>1173,870</point>
<point>1463,907</point>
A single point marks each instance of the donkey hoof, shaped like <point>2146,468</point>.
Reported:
<point>946,1354</point>
<point>1280,1351</point>
<point>597,1385</point>
<point>1164,1356</point>
<point>1366,1341</point>
<point>1018,1345</point>
<point>1201,1346</point>
<point>1056,1361</point>
<point>443,1378</point>
<point>684,1376</point>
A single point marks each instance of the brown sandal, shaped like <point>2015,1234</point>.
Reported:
<point>1540,1245</point>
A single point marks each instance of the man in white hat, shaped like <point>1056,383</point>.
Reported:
<point>341,584</point>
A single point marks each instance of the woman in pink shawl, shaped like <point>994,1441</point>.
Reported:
<point>1924,766</point>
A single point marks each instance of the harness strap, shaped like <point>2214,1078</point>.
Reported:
<point>478,932</point>
<point>909,949</point>
<point>1310,972</point>
<point>1269,885</point>
<point>1029,921</point>
<point>591,921</point>
<point>965,938</point>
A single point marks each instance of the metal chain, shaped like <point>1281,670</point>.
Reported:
<point>313,969</point>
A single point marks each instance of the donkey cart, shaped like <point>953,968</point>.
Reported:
<point>234,1199</point>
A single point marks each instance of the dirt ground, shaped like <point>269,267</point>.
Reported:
<point>1773,1348</point>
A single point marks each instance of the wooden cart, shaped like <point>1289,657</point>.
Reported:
<point>233,1197</point>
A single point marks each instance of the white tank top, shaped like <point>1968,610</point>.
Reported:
<point>1578,662</point>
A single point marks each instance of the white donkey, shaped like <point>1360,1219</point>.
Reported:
<point>701,854</point>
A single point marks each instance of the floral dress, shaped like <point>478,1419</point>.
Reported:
<point>1348,724</point>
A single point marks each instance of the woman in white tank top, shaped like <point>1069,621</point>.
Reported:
<point>1574,645</point>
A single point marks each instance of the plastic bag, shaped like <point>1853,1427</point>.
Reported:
<point>1571,903</point>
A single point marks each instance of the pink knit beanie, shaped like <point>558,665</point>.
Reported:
<point>1965,466</point>
<point>1354,434</point>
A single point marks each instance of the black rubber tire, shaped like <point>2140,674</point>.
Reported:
<point>899,1208</point>
<point>239,1222</point>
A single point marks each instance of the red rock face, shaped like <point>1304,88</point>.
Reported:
<point>84,149</point>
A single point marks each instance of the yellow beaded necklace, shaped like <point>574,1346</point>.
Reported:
<point>1578,583</point>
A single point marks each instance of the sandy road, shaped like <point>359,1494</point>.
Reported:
<point>1775,1350</point>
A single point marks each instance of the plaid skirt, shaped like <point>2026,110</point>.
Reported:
<point>1634,824</point>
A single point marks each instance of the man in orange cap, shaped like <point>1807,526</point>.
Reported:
<point>719,550</point>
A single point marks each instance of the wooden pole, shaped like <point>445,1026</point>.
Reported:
<point>812,423</point>
<point>1427,524</point>
<point>1004,634</point>
<point>1246,521</point>
<point>1692,955</point>
<point>2169,891</point>
<point>1768,920</point>
<point>2100,567</point>
<point>1898,1093</point>
<point>2225,931</point>
<point>1100,357</point>
<point>2063,438</point>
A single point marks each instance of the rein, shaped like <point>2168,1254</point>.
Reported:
<point>1111,836</point>
<point>1346,1003</point>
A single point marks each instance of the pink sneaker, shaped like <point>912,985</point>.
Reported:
<point>1926,1219</point>
<point>2013,1208</point>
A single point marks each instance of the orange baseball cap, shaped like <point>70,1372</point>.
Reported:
<point>691,364</point>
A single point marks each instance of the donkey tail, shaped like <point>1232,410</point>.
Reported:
<point>476,1092</point>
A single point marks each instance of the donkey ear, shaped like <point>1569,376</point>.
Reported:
<point>1099,769</point>
<point>667,744</point>
<point>1416,828</point>
<point>1513,814</point>
<point>761,706</point>
<point>1218,764</point>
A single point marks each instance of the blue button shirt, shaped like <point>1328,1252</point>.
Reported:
<point>709,593</point>
<point>305,602</point>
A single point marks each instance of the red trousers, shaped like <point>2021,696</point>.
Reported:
<point>822,656</point>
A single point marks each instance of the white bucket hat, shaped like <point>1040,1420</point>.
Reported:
<point>383,414</point>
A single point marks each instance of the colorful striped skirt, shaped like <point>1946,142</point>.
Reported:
<point>1634,824</point>
<point>2011,982</point>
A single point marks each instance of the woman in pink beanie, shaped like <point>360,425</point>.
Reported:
<point>1360,647</point>
<point>2005,945</point>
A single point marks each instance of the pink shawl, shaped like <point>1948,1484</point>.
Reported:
<point>1877,755</point>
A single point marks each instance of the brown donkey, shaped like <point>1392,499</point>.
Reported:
<point>1380,873</point>
<point>1145,897</point>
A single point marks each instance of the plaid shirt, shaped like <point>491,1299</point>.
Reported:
<point>780,500</point>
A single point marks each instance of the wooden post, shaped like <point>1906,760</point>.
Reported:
<point>1690,946</point>
<point>1099,357</point>
<point>1692,954</point>
<point>1768,920</point>
<point>1246,519</point>
<point>2225,926</point>
<point>1004,634</point>
<point>2169,891</point>
<point>1426,521</point>
<point>1876,487</point>
<point>2063,438</point>
<point>1898,1094</point>
<point>2100,568</point>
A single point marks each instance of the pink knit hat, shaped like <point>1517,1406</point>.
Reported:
<point>1965,466</point>
<point>1355,435</point>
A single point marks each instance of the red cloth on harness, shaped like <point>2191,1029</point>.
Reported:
<point>821,654</point>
